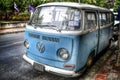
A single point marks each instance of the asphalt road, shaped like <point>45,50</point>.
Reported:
<point>13,67</point>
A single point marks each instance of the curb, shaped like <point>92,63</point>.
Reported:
<point>12,27</point>
<point>10,31</point>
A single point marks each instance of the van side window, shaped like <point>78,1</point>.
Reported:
<point>108,18</point>
<point>103,19</point>
<point>35,19</point>
<point>90,20</point>
<point>111,17</point>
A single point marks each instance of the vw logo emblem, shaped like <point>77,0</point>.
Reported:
<point>40,46</point>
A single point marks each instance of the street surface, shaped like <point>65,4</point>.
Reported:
<point>13,67</point>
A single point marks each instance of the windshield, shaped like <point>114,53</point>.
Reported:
<point>64,18</point>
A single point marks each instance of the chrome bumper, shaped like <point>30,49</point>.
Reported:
<point>50,69</point>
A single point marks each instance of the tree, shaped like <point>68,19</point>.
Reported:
<point>117,3</point>
<point>6,8</point>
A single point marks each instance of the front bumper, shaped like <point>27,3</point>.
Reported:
<point>54,70</point>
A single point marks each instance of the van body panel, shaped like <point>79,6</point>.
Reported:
<point>61,40</point>
<point>50,56</point>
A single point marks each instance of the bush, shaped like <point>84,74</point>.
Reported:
<point>23,16</point>
<point>6,15</point>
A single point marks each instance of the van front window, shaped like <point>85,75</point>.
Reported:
<point>56,17</point>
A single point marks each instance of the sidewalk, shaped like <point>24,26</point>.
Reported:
<point>109,71</point>
<point>11,30</point>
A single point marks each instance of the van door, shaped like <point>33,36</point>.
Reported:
<point>104,31</point>
<point>91,26</point>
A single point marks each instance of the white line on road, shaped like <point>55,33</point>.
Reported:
<point>11,44</point>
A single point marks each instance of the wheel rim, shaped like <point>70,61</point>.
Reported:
<point>90,60</point>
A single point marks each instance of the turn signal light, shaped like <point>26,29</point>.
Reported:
<point>71,66</point>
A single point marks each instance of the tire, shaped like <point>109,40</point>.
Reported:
<point>89,60</point>
<point>110,44</point>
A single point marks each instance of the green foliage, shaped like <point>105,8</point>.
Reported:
<point>23,16</point>
<point>117,3</point>
<point>101,3</point>
<point>7,6</point>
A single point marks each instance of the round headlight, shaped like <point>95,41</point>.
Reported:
<point>63,53</point>
<point>26,44</point>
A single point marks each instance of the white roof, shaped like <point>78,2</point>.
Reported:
<point>73,4</point>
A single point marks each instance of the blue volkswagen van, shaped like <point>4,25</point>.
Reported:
<point>63,37</point>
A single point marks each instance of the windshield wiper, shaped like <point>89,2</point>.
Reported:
<point>54,27</point>
<point>38,25</point>
<point>34,26</point>
<point>48,26</point>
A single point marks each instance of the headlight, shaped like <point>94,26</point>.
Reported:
<point>63,53</point>
<point>26,44</point>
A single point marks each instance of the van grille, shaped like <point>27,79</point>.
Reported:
<point>53,39</point>
<point>34,35</point>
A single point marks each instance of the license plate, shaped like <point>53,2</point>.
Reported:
<point>39,67</point>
